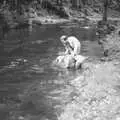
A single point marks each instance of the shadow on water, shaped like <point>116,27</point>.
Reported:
<point>30,88</point>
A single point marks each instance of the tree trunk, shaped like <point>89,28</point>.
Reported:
<point>59,2</point>
<point>73,3</point>
<point>41,1</point>
<point>81,3</point>
<point>77,3</point>
<point>105,10</point>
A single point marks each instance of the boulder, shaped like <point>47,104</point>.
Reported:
<point>65,61</point>
<point>69,61</point>
<point>79,60</point>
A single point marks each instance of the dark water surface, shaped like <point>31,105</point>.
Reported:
<point>30,88</point>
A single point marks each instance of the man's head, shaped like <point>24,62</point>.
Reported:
<point>63,39</point>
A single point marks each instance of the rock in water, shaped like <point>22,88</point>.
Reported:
<point>69,61</point>
<point>79,60</point>
<point>65,61</point>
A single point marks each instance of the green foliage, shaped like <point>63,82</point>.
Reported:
<point>74,3</point>
<point>87,7</point>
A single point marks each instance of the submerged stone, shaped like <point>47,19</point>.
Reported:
<point>65,61</point>
<point>69,61</point>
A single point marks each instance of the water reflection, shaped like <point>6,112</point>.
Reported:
<point>37,105</point>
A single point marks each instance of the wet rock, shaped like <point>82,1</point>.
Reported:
<point>21,118</point>
<point>79,60</point>
<point>37,22</point>
<point>37,42</point>
<point>17,62</point>
<point>68,61</point>
<point>65,61</point>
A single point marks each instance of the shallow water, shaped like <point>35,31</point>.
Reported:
<point>30,87</point>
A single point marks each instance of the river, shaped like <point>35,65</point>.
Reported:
<point>30,87</point>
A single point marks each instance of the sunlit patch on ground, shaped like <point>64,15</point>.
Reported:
<point>97,97</point>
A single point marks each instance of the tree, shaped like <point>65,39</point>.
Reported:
<point>59,2</point>
<point>77,3</point>
<point>105,10</point>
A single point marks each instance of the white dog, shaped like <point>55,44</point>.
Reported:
<point>65,61</point>
<point>72,57</point>
<point>72,45</point>
<point>68,61</point>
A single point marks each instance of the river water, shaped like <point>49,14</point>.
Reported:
<point>30,87</point>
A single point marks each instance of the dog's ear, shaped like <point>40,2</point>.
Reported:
<point>65,38</point>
